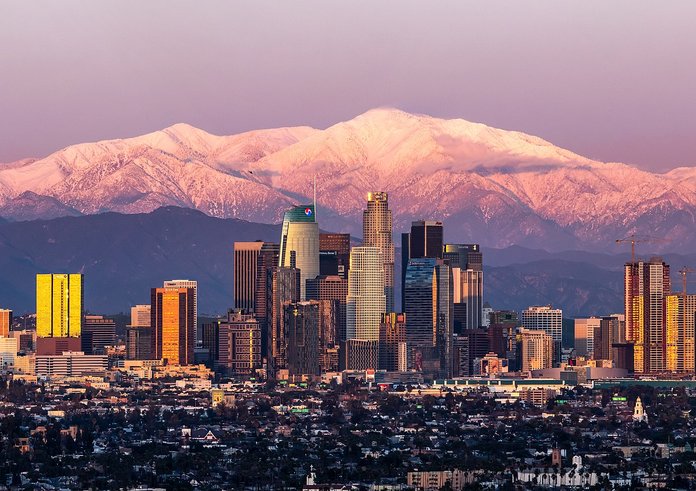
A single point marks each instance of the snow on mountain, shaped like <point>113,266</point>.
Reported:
<point>495,186</point>
<point>180,165</point>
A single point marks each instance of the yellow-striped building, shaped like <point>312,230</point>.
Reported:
<point>680,333</point>
<point>59,305</point>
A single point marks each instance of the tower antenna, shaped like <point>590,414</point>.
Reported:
<point>315,197</point>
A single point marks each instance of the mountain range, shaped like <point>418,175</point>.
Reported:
<point>500,188</point>
<point>124,255</point>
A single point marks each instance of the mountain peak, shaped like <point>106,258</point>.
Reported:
<point>387,112</point>
<point>179,134</point>
<point>186,130</point>
<point>495,186</point>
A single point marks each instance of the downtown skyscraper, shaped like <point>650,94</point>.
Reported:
<point>334,254</point>
<point>238,344</point>
<point>173,324</point>
<point>300,234</point>
<point>266,263</point>
<point>424,240</point>
<point>646,284</point>
<point>365,305</point>
<point>59,305</point>
<point>284,289</point>
<point>193,284</point>
<point>377,232</point>
<point>428,295</point>
<point>549,320</point>
<point>466,262</point>
<point>245,274</point>
<point>679,332</point>
<point>5,322</point>
<point>335,289</point>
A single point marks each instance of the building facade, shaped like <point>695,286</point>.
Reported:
<point>139,343</point>
<point>339,246</point>
<point>393,356</point>
<point>239,344</point>
<point>69,364</point>
<point>547,319</point>
<point>502,325</point>
<point>463,256</point>
<point>5,322</point>
<point>366,301</point>
<point>332,288</point>
<point>244,274</point>
<point>468,299</point>
<point>98,332</point>
<point>680,313</point>
<point>424,240</point>
<point>466,261</point>
<point>429,305</point>
<point>285,289</point>
<point>140,315</point>
<point>8,352</point>
<point>584,335</point>
<point>606,334</point>
<point>646,284</point>
<point>263,302</point>
<point>311,337</point>
<point>59,305</point>
<point>535,349</point>
<point>173,322</point>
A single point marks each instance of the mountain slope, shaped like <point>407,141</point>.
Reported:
<point>489,185</point>
<point>123,256</point>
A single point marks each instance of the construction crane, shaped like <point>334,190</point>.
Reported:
<point>683,272</point>
<point>639,239</point>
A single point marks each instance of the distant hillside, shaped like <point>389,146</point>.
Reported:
<point>123,256</point>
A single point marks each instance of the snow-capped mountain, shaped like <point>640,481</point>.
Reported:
<point>489,185</point>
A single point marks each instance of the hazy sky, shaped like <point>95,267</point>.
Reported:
<point>611,80</point>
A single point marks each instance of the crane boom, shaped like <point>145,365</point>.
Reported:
<point>638,239</point>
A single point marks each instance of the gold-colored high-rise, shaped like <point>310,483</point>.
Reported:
<point>59,305</point>
<point>5,322</point>
<point>173,324</point>
<point>680,310</point>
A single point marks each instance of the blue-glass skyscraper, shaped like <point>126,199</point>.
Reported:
<point>428,297</point>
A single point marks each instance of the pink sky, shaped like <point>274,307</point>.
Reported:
<point>614,81</point>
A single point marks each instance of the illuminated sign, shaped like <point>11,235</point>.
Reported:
<point>308,211</point>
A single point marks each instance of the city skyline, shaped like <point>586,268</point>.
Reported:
<point>442,317</point>
<point>338,334</point>
<point>371,246</point>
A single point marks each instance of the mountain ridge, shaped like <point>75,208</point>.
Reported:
<point>488,185</point>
